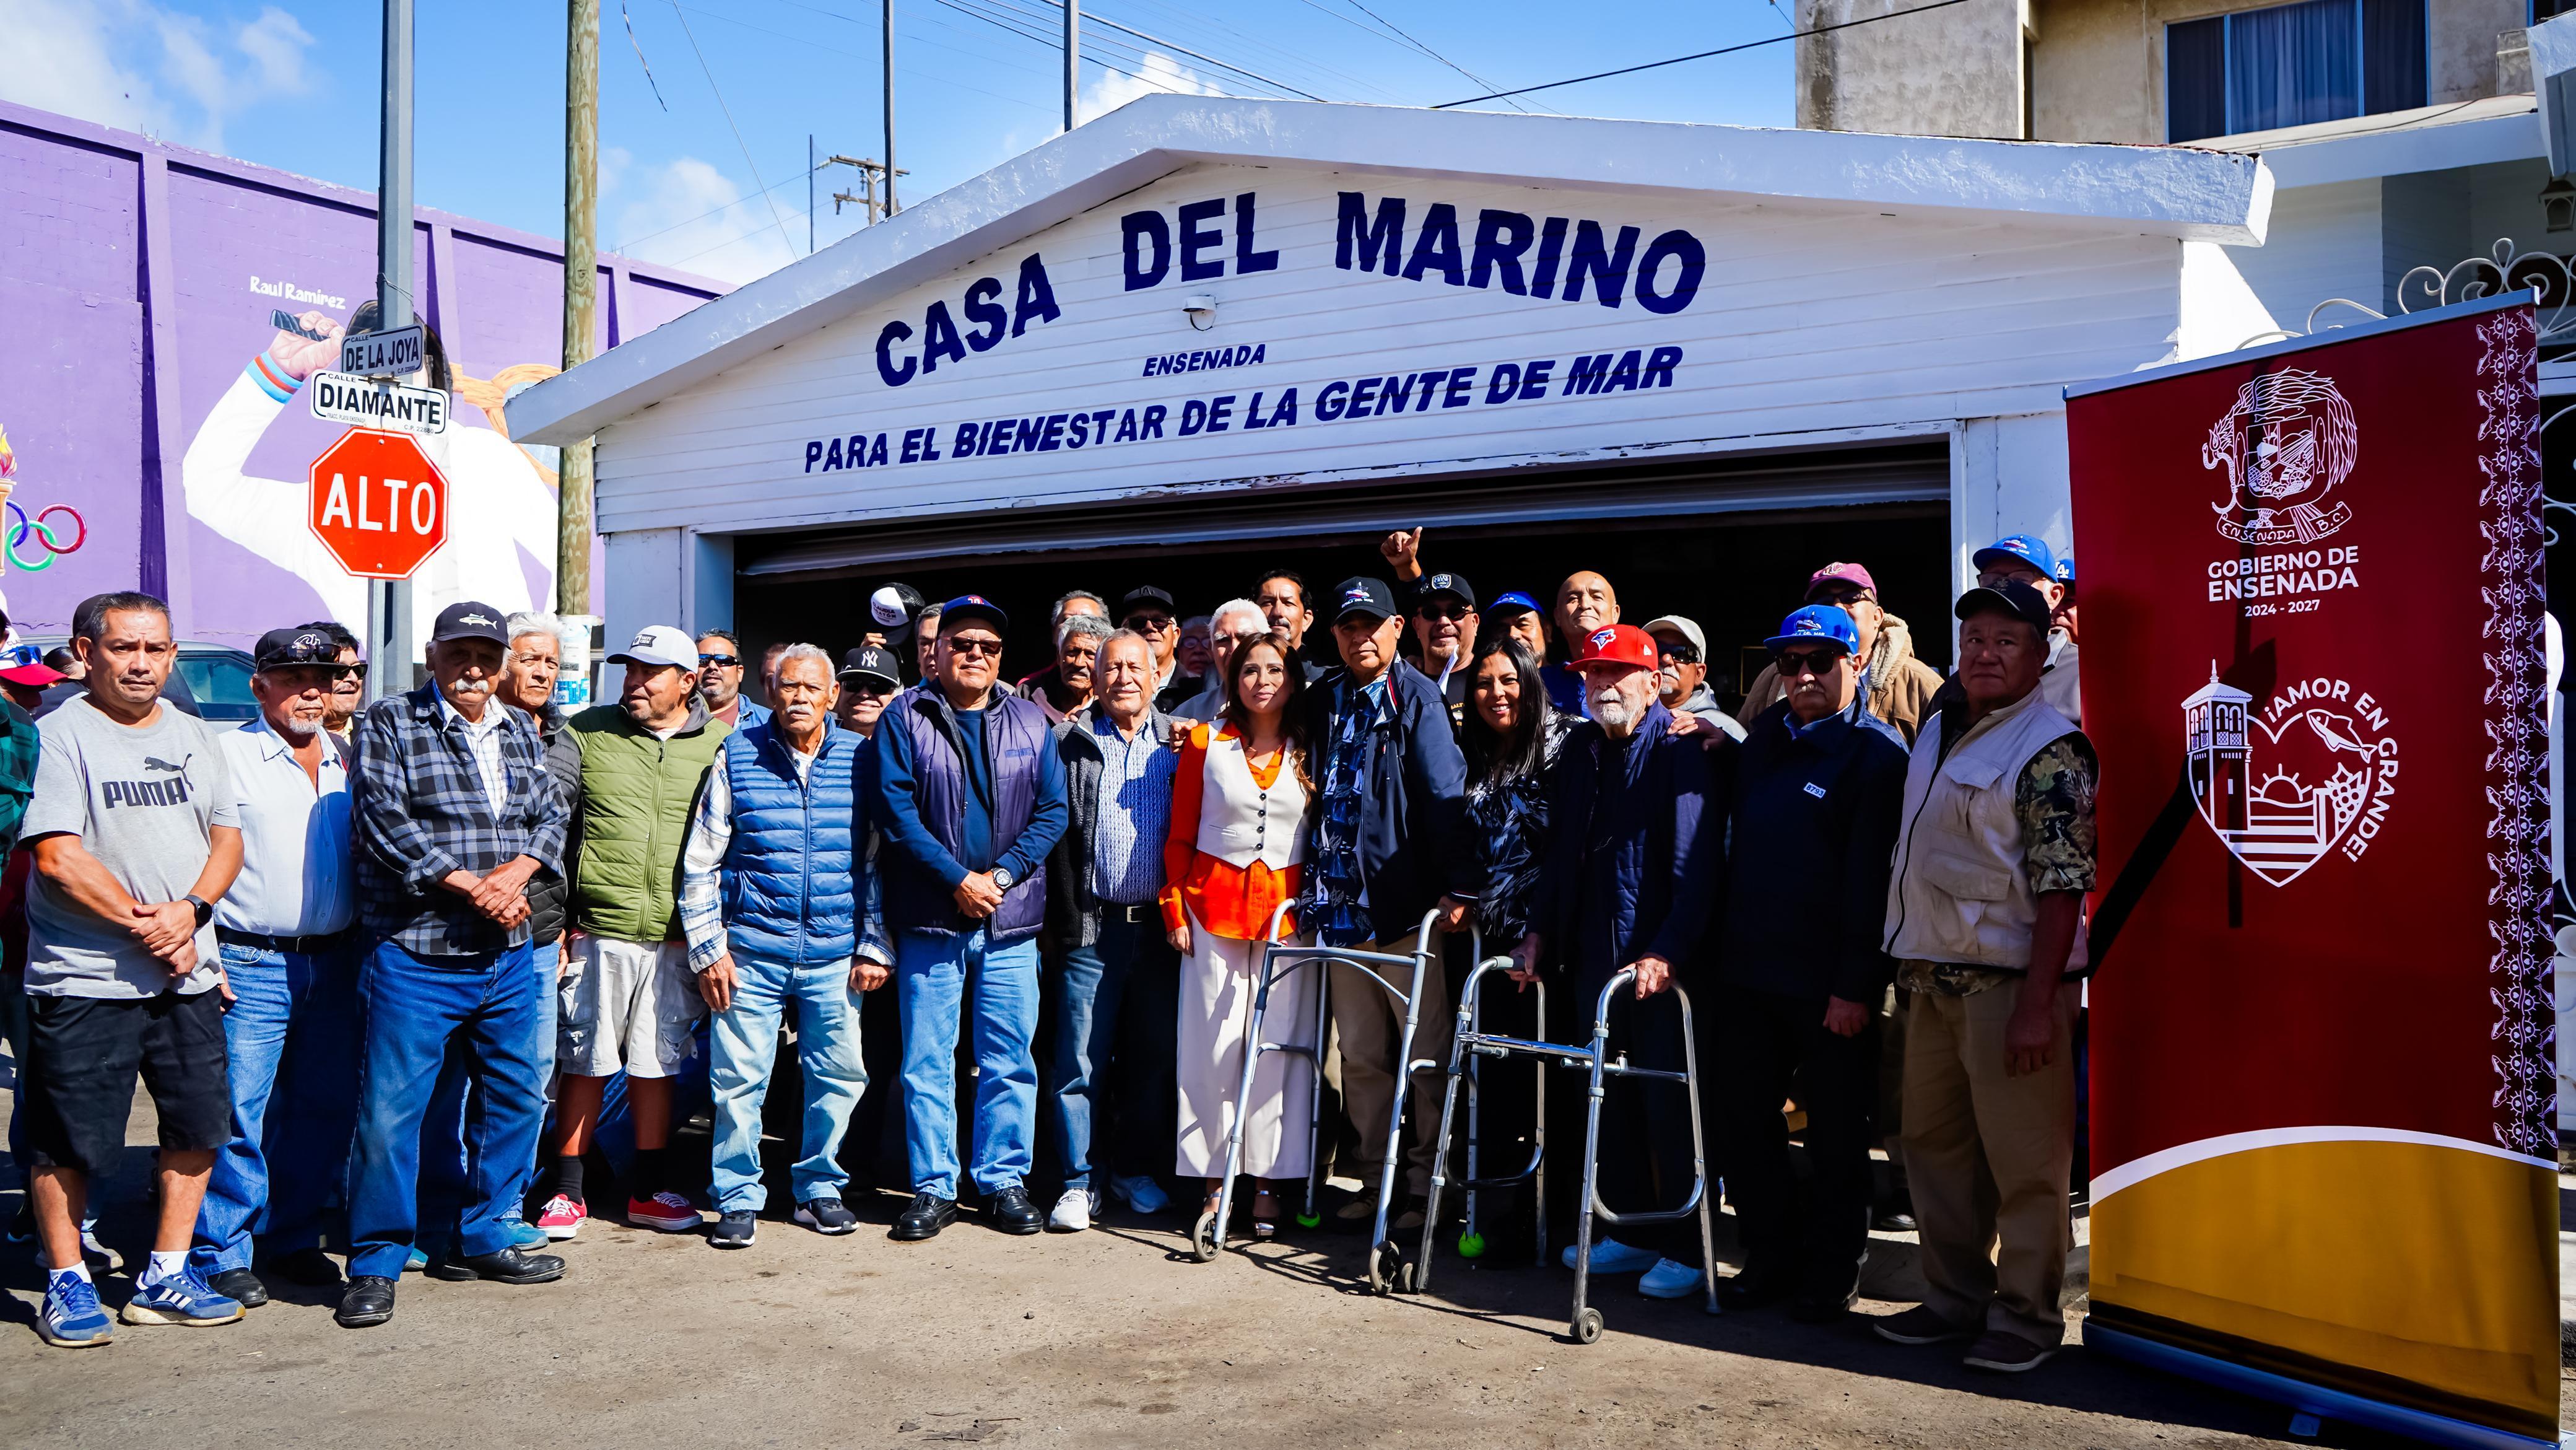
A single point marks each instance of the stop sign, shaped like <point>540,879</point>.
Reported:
<point>378,504</point>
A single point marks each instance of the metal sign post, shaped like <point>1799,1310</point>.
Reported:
<point>390,645</point>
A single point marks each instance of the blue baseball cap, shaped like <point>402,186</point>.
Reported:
<point>1510,603</point>
<point>1824,623</point>
<point>2029,549</point>
<point>2066,570</point>
<point>973,606</point>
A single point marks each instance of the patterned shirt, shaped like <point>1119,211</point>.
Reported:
<point>483,737</point>
<point>1340,914</point>
<point>1134,815</point>
<point>422,809</point>
<point>2054,802</point>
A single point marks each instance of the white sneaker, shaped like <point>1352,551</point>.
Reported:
<point>1669,1279</point>
<point>1609,1256</point>
<point>1140,1192</point>
<point>1073,1211</point>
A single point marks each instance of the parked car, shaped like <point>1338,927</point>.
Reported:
<point>213,679</point>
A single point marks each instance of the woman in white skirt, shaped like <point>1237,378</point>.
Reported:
<point>1236,851</point>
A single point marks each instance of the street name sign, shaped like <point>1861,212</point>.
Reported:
<point>375,403</point>
<point>385,354</point>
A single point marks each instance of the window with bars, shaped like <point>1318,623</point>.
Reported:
<point>2291,65</point>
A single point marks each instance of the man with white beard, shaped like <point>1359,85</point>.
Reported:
<point>1626,886</point>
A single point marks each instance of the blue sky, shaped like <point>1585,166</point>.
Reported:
<point>704,162</point>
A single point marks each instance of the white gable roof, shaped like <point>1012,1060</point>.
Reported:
<point>2180,192</point>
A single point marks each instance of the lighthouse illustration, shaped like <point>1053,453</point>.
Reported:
<point>2275,822</point>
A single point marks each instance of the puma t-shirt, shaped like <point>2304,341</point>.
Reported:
<point>144,801</point>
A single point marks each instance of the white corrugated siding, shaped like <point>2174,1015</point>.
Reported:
<point>1810,318</point>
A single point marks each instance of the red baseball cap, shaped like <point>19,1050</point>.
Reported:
<point>33,677</point>
<point>1617,644</point>
<point>1852,574</point>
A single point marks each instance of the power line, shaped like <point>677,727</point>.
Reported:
<point>702,216</point>
<point>1254,75</point>
<point>1702,55</point>
<point>729,124</point>
<point>1418,45</point>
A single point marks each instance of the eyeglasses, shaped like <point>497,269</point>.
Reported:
<point>1149,623</point>
<point>964,644</point>
<point>1818,662</point>
<point>721,661</point>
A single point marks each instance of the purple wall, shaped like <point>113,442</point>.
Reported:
<point>128,307</point>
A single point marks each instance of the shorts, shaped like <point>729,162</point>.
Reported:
<point>82,1057</point>
<point>624,1006</point>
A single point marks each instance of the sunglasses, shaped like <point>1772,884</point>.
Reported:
<point>961,644</point>
<point>1819,662</point>
<point>1149,623</point>
<point>1838,597</point>
<point>349,672</point>
<point>1678,654</point>
<point>721,661</point>
<point>1447,610</point>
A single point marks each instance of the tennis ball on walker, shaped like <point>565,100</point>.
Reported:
<point>1471,1246</point>
<point>1310,1220</point>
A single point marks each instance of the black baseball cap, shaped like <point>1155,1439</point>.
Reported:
<point>1144,595</point>
<point>468,619</point>
<point>1362,594</point>
<point>870,662</point>
<point>2012,597</point>
<point>973,606</point>
<point>1453,585</point>
<point>286,648</point>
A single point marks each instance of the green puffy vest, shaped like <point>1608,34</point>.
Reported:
<point>636,795</point>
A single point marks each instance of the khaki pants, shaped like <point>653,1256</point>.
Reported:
<point>1987,1156</point>
<point>1369,1019</point>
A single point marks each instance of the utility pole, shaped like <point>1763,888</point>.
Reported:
<point>891,173</point>
<point>876,187</point>
<point>580,292</point>
<point>1072,61</point>
<point>390,642</point>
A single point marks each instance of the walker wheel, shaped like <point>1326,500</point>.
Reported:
<point>1385,1261</point>
<point>1471,1246</point>
<point>1407,1281</point>
<point>1203,1238</point>
<point>1586,1328</point>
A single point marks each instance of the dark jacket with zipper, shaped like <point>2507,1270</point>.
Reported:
<point>1811,826</point>
<point>1413,847</point>
<point>1630,872</point>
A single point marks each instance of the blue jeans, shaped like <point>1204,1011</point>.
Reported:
<point>418,1009</point>
<point>746,1049</point>
<point>446,1171</point>
<point>291,1036</point>
<point>931,972</point>
<point>1116,1000</point>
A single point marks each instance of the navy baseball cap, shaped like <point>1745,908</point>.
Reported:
<point>2066,570</point>
<point>973,606</point>
<point>2012,597</point>
<point>1362,594</point>
<point>1453,585</point>
<point>287,648</point>
<point>1512,602</point>
<point>870,662</point>
<point>1818,624</point>
<point>472,619</point>
<point>2028,549</point>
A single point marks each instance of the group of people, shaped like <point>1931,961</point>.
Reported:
<point>381,984</point>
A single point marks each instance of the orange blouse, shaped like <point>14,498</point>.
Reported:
<point>1232,901</point>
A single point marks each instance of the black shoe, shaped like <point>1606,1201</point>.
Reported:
<point>507,1266</point>
<point>1893,1221</point>
<point>1012,1213</point>
<point>370,1301</point>
<point>928,1214</point>
<point>1752,1289</point>
<point>311,1268</point>
<point>1821,1308</point>
<point>241,1285</point>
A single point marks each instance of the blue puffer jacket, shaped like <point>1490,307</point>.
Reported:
<point>792,873</point>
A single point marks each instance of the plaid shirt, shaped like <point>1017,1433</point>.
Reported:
<point>421,813</point>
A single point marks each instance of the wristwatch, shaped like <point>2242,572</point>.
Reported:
<point>205,909</point>
<point>1003,878</point>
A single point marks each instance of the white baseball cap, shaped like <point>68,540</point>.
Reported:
<point>1682,625</point>
<point>659,644</point>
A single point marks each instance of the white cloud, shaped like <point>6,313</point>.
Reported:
<point>1161,75</point>
<point>137,65</point>
<point>688,214</point>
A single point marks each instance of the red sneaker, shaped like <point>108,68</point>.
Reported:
<point>562,1217</point>
<point>665,1211</point>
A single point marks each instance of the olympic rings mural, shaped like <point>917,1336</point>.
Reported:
<point>50,541</point>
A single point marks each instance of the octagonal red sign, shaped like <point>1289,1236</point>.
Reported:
<point>378,504</point>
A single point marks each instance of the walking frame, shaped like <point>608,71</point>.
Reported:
<point>1598,1066</point>
<point>1278,960</point>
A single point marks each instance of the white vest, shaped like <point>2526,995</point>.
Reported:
<point>1239,822</point>
<point>1959,891</point>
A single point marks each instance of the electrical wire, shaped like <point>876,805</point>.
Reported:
<point>729,124</point>
<point>1701,55</point>
<point>1418,45</point>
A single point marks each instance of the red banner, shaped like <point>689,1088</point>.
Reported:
<point>2313,671</point>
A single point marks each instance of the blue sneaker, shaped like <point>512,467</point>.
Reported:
<point>1609,1256</point>
<point>1670,1279</point>
<point>525,1235</point>
<point>417,1262</point>
<point>72,1318</point>
<point>1140,1192</point>
<point>183,1298</point>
